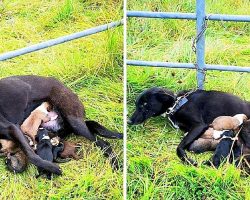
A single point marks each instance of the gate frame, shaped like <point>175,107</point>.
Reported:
<point>59,40</point>
<point>200,18</point>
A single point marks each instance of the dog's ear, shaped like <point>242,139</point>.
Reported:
<point>165,96</point>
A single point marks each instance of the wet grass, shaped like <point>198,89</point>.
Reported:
<point>91,67</point>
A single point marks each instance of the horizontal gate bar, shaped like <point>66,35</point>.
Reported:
<point>188,16</point>
<point>59,40</point>
<point>168,15</point>
<point>187,66</point>
<point>161,64</point>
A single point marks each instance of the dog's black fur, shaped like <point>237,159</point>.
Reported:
<point>193,117</point>
<point>19,95</point>
<point>44,150</point>
<point>57,150</point>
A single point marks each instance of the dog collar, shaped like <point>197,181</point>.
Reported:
<point>171,111</point>
<point>180,101</point>
<point>178,104</point>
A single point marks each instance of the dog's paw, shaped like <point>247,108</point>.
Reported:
<point>119,135</point>
<point>191,162</point>
<point>55,169</point>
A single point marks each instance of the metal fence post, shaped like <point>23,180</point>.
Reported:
<point>200,43</point>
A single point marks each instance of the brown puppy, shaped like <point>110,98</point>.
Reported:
<point>37,117</point>
<point>17,162</point>
<point>228,122</point>
<point>211,137</point>
<point>69,151</point>
<point>205,143</point>
<point>8,146</point>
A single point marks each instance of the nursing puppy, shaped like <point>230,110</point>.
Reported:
<point>210,139</point>
<point>64,151</point>
<point>8,146</point>
<point>223,150</point>
<point>206,142</point>
<point>227,123</point>
<point>16,162</point>
<point>36,118</point>
<point>69,151</point>
<point>44,150</point>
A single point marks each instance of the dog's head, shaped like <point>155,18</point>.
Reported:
<point>151,103</point>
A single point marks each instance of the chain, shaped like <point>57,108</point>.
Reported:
<point>198,36</point>
<point>196,39</point>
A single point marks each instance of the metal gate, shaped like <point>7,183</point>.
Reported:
<point>60,40</point>
<point>201,18</point>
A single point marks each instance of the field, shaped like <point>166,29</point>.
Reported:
<point>91,67</point>
<point>154,170</point>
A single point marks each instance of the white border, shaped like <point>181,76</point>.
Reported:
<point>125,100</point>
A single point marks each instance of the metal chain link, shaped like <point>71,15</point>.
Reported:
<point>198,36</point>
<point>194,43</point>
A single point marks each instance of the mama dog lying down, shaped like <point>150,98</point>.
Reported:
<point>192,112</point>
<point>20,95</point>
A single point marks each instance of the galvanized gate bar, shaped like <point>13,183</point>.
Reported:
<point>188,16</point>
<point>200,42</point>
<point>160,64</point>
<point>59,40</point>
<point>200,18</point>
<point>163,15</point>
<point>187,66</point>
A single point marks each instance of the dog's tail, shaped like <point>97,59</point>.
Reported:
<point>100,130</point>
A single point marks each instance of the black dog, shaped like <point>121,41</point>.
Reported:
<point>19,95</point>
<point>44,150</point>
<point>226,149</point>
<point>194,116</point>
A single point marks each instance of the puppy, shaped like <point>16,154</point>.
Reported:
<point>227,123</point>
<point>223,149</point>
<point>37,117</point>
<point>8,146</point>
<point>58,147</point>
<point>223,123</point>
<point>44,150</point>
<point>63,152</point>
<point>16,162</point>
<point>69,151</point>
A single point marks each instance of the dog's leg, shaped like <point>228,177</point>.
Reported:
<point>79,127</point>
<point>100,130</point>
<point>187,140</point>
<point>18,136</point>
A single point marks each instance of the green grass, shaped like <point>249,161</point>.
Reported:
<point>154,170</point>
<point>91,67</point>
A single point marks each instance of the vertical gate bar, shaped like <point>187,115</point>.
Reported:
<point>200,43</point>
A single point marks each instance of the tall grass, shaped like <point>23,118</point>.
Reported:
<point>90,66</point>
<point>154,170</point>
